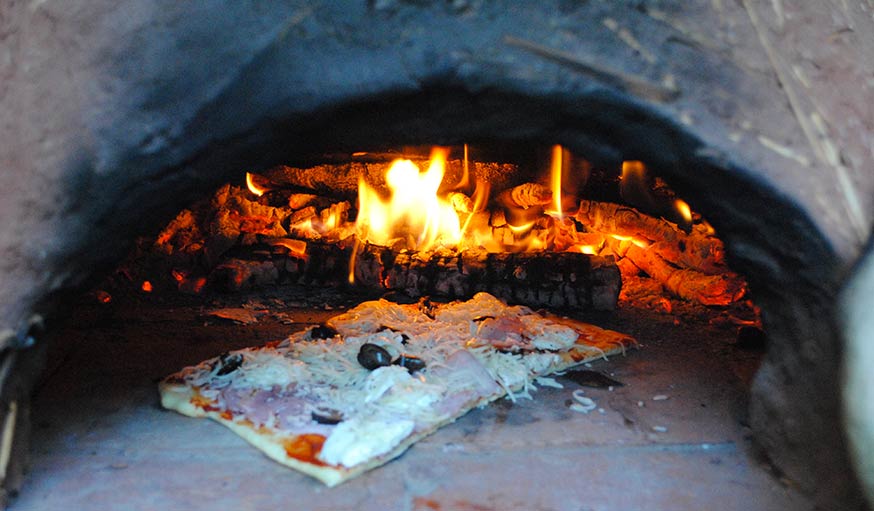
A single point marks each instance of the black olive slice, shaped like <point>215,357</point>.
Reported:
<point>371,356</point>
<point>323,332</point>
<point>229,363</point>
<point>412,363</point>
<point>327,416</point>
<point>426,307</point>
<point>404,337</point>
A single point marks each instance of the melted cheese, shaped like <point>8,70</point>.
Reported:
<point>360,439</point>
<point>382,379</point>
<point>552,336</point>
<point>267,368</point>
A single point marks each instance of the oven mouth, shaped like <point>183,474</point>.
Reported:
<point>607,128</point>
<point>719,189</point>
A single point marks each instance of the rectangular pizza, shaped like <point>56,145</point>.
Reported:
<point>339,399</point>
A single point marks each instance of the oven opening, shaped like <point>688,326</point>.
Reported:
<point>283,248</point>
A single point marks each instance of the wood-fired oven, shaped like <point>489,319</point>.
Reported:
<point>119,115</point>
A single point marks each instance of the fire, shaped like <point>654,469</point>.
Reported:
<point>633,169</point>
<point>254,187</point>
<point>146,287</point>
<point>521,229</point>
<point>637,242</point>
<point>555,180</point>
<point>684,210</point>
<point>414,212</point>
<point>296,248</point>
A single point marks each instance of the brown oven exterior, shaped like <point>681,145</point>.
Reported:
<point>115,114</point>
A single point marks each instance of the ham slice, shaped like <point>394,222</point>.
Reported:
<point>464,366</point>
<point>261,405</point>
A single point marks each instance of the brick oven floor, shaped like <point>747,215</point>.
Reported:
<point>101,442</point>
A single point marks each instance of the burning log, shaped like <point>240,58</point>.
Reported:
<point>525,196</point>
<point>697,250</point>
<point>687,283</point>
<point>538,279</point>
<point>342,179</point>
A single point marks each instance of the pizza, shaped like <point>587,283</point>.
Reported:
<point>338,399</point>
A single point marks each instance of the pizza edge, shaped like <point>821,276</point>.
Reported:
<point>178,398</point>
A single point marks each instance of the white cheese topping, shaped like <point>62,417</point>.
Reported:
<point>552,336</point>
<point>361,439</point>
<point>382,379</point>
<point>259,367</point>
<point>266,368</point>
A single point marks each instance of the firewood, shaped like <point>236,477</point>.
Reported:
<point>525,196</point>
<point>686,283</point>
<point>537,279</point>
<point>342,179</point>
<point>697,250</point>
<point>461,202</point>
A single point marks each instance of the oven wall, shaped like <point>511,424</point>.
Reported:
<point>117,113</point>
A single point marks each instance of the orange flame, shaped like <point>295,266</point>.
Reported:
<point>633,169</point>
<point>352,259</point>
<point>480,199</point>
<point>521,229</point>
<point>414,211</point>
<point>555,180</point>
<point>638,242</point>
<point>146,287</point>
<point>296,248</point>
<point>464,182</point>
<point>684,210</point>
<point>254,188</point>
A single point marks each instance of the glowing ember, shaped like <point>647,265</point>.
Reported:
<point>296,248</point>
<point>414,212</point>
<point>146,287</point>
<point>635,241</point>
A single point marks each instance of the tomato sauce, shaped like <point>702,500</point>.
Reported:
<point>305,447</point>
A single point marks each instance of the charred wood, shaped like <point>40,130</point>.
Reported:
<point>545,279</point>
<point>539,279</point>
<point>342,179</point>
<point>697,250</point>
<point>687,283</point>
